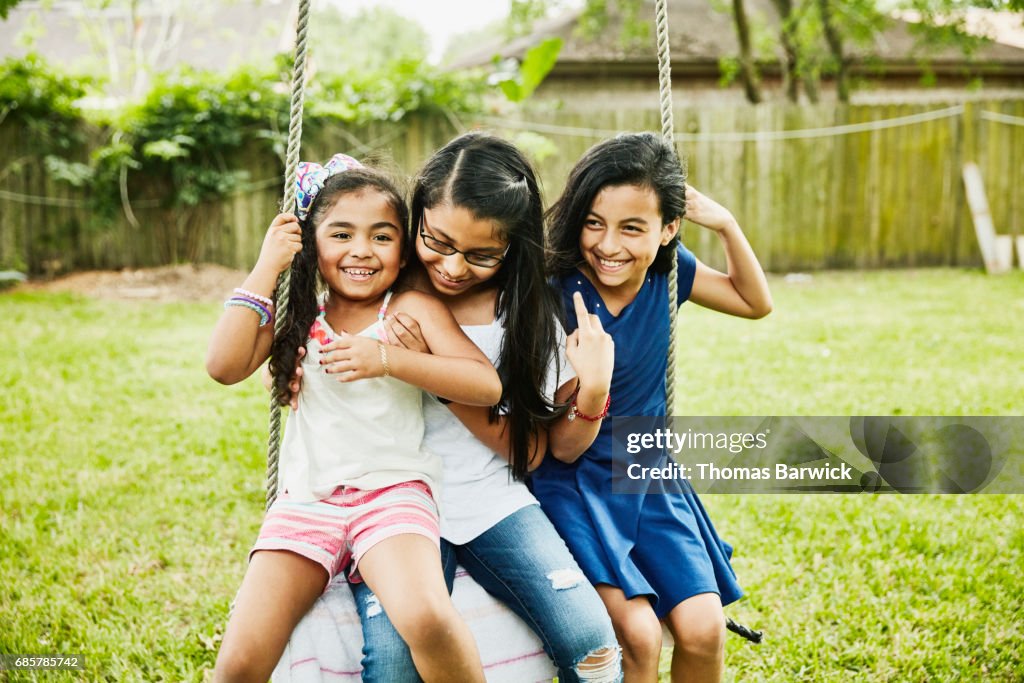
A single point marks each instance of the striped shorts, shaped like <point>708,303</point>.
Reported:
<point>335,532</point>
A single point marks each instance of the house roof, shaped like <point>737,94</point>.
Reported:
<point>699,36</point>
<point>215,35</point>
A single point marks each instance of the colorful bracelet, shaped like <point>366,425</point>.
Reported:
<point>265,316</point>
<point>384,358</point>
<point>255,297</point>
<point>574,411</point>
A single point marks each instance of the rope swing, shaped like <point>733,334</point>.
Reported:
<point>298,91</point>
<point>667,126</point>
<point>288,204</point>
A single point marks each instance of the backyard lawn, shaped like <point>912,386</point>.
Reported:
<point>133,484</point>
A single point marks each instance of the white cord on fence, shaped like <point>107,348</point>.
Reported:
<point>752,136</point>
<point>1002,118</point>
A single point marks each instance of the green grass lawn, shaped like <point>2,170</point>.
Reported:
<point>132,483</point>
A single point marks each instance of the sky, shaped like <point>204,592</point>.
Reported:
<point>441,18</point>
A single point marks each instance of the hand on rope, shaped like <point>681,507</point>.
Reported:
<point>282,242</point>
<point>706,212</point>
<point>291,172</point>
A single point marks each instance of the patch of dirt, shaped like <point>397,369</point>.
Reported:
<point>203,282</point>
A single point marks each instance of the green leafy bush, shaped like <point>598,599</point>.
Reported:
<point>404,87</point>
<point>43,100</point>
<point>180,138</point>
<point>190,141</point>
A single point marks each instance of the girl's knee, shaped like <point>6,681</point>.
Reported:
<point>703,638</point>
<point>427,622</point>
<point>639,635</point>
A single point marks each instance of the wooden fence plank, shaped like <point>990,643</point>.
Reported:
<point>877,198</point>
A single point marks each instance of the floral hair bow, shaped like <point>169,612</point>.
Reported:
<point>311,177</point>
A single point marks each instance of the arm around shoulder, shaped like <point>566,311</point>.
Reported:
<point>455,368</point>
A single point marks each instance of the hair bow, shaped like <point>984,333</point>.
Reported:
<point>311,177</point>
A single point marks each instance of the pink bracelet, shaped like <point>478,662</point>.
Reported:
<point>252,295</point>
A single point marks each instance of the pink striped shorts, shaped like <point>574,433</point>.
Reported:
<point>335,532</point>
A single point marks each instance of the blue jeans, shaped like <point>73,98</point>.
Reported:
<point>523,562</point>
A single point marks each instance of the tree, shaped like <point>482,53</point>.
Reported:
<point>791,62</point>
<point>129,39</point>
<point>6,6</point>
<point>748,69</point>
<point>813,35</point>
<point>835,45</point>
<point>368,40</point>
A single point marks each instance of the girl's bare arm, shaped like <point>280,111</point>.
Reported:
<point>454,369</point>
<point>239,345</point>
<point>743,289</point>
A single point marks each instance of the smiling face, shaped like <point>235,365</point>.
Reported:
<point>621,236</point>
<point>359,245</point>
<point>452,274</point>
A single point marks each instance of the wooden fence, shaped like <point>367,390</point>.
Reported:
<point>817,187</point>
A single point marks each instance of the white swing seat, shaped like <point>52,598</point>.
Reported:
<point>327,645</point>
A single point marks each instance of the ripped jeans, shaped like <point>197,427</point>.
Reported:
<point>523,562</point>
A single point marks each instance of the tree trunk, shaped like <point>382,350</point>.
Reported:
<point>748,70</point>
<point>788,39</point>
<point>812,78</point>
<point>835,45</point>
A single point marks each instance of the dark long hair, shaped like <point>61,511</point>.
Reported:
<point>302,292</point>
<point>638,159</point>
<point>490,178</point>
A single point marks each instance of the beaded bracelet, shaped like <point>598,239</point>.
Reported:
<point>265,316</point>
<point>574,411</point>
<point>255,297</point>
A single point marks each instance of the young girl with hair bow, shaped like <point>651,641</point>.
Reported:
<point>358,489</point>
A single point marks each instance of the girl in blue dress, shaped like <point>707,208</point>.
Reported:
<point>656,557</point>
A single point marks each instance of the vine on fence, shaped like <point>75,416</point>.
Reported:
<point>45,103</point>
<point>174,149</point>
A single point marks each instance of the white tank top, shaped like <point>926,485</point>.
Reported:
<point>478,489</point>
<point>367,434</point>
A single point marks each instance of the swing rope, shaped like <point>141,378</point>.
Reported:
<point>667,131</point>
<point>288,204</point>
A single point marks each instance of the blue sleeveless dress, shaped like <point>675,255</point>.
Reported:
<point>661,545</point>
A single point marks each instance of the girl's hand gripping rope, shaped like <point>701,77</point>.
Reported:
<point>282,242</point>
<point>706,212</point>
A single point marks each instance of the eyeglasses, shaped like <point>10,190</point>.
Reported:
<point>472,257</point>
